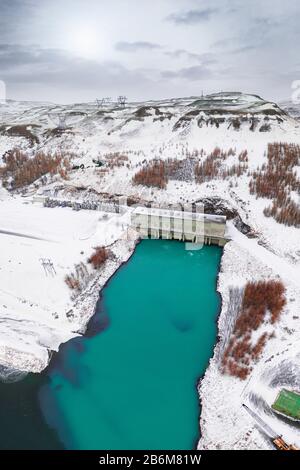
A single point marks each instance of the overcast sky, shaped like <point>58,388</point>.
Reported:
<point>77,50</point>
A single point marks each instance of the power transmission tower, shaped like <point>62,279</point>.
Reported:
<point>59,120</point>
<point>48,266</point>
<point>122,100</point>
<point>100,102</point>
<point>62,121</point>
<point>51,267</point>
<point>103,101</point>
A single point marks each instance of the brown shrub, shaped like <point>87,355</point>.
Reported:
<point>23,170</point>
<point>208,170</point>
<point>99,257</point>
<point>234,170</point>
<point>72,282</point>
<point>284,211</point>
<point>257,349</point>
<point>243,156</point>
<point>259,298</point>
<point>116,159</point>
<point>211,167</point>
<point>76,281</point>
<point>152,174</point>
<point>276,180</point>
<point>158,172</point>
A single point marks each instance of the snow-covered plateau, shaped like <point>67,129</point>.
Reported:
<point>106,146</point>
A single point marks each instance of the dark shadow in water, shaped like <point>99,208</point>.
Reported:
<point>182,325</point>
<point>53,417</point>
<point>22,425</point>
<point>60,363</point>
<point>99,322</point>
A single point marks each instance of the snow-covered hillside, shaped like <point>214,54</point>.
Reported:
<point>111,124</point>
<point>107,145</point>
<point>291,108</point>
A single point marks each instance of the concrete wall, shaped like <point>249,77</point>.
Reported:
<point>158,226</point>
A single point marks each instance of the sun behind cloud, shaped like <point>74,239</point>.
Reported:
<point>84,40</point>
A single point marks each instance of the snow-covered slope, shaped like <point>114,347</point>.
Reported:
<point>291,108</point>
<point>88,126</point>
<point>37,312</point>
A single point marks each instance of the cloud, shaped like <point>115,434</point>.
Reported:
<point>243,49</point>
<point>14,57</point>
<point>206,58</point>
<point>244,38</point>
<point>53,67</point>
<point>124,46</point>
<point>13,15</point>
<point>57,68</point>
<point>195,73</point>
<point>192,16</point>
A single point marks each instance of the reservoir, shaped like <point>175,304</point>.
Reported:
<point>131,381</point>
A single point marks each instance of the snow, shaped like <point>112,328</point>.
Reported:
<point>283,268</point>
<point>37,312</point>
<point>7,143</point>
<point>34,305</point>
<point>279,371</point>
<point>224,423</point>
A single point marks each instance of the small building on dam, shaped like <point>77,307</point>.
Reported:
<point>179,225</point>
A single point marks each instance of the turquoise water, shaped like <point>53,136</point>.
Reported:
<point>133,385</point>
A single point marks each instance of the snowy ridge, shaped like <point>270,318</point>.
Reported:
<point>111,126</point>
